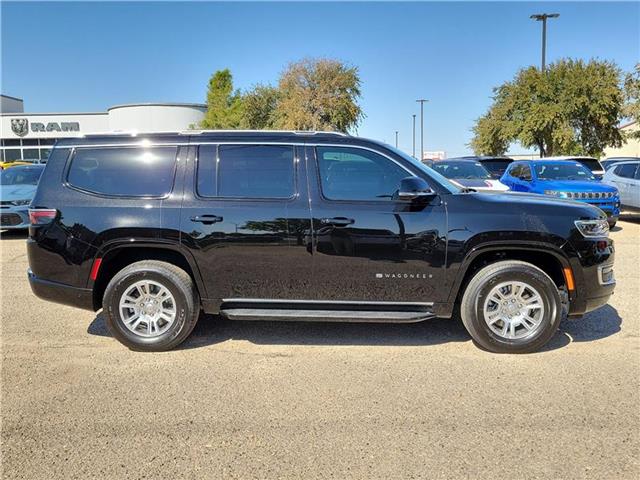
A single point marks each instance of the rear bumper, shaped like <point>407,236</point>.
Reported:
<point>61,293</point>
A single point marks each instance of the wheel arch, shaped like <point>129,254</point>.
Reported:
<point>115,257</point>
<point>548,258</point>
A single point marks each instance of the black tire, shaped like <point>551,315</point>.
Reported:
<point>179,284</point>
<point>612,223</point>
<point>475,294</point>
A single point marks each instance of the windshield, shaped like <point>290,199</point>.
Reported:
<point>429,171</point>
<point>466,170</point>
<point>563,171</point>
<point>20,176</point>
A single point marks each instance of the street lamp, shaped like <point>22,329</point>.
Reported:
<point>414,135</point>
<point>396,138</point>
<point>542,17</point>
<point>421,102</point>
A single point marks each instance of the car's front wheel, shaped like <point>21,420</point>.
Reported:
<point>511,307</point>
<point>151,306</point>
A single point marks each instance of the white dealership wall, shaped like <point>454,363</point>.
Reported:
<point>29,136</point>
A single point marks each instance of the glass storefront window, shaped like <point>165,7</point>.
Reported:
<point>12,154</point>
<point>44,154</point>
<point>31,154</point>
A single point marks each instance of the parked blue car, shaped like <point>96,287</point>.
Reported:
<point>17,187</point>
<point>563,179</point>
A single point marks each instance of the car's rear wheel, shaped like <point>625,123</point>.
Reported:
<point>151,306</point>
<point>511,307</point>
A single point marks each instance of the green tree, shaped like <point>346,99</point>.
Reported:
<point>632,97</point>
<point>224,104</point>
<point>571,108</point>
<point>259,107</point>
<point>319,94</point>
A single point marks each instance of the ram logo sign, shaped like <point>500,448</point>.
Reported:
<point>20,126</point>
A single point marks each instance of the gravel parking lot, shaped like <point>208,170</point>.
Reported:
<point>295,400</point>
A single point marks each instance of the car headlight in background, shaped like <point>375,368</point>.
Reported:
<point>593,228</point>
<point>556,193</point>
<point>18,203</point>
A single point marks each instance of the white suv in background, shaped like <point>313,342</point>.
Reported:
<point>626,177</point>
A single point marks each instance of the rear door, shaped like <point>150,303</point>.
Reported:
<point>245,218</point>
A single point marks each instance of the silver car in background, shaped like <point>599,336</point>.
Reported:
<point>625,176</point>
<point>17,187</point>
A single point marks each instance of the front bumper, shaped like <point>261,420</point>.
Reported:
<point>61,293</point>
<point>14,218</point>
<point>593,269</point>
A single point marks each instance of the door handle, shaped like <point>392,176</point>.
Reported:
<point>206,219</point>
<point>337,221</point>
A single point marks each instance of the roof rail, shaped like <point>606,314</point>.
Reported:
<point>295,132</point>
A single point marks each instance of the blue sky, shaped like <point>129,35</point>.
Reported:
<point>65,57</point>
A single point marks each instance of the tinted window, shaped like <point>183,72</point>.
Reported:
<point>591,163</point>
<point>126,171</point>
<point>626,171</point>
<point>357,174</point>
<point>526,173</point>
<point>246,171</point>
<point>515,171</point>
<point>496,167</point>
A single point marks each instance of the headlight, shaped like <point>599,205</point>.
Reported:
<point>21,202</point>
<point>555,193</point>
<point>593,228</point>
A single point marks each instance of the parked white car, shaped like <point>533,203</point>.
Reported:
<point>625,176</point>
<point>469,174</point>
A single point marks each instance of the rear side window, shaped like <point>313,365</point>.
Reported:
<point>626,171</point>
<point>124,171</point>
<point>246,171</point>
<point>515,171</point>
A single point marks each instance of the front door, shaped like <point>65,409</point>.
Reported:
<point>368,246</point>
<point>246,220</point>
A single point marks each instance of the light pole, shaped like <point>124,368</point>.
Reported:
<point>414,135</point>
<point>396,138</point>
<point>542,17</point>
<point>421,102</point>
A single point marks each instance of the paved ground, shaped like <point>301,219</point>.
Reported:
<point>266,400</point>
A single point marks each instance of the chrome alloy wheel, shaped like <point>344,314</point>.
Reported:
<point>147,308</point>
<point>514,310</point>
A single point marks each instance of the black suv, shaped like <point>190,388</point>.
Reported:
<point>155,228</point>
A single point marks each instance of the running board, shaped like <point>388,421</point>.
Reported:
<point>370,312</point>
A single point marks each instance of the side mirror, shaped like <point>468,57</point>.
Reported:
<point>412,188</point>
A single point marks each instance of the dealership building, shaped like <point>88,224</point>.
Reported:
<point>29,136</point>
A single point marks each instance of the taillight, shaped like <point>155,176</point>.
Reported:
<point>41,216</point>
